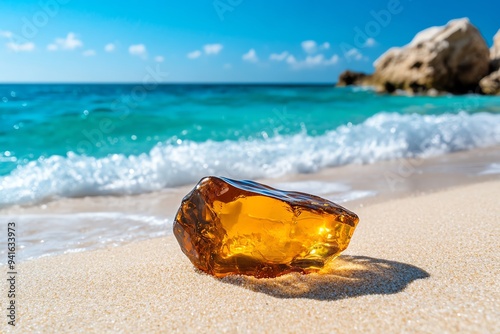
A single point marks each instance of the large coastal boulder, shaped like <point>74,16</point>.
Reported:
<point>491,83</point>
<point>452,58</point>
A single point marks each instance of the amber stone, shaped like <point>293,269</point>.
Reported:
<point>229,227</point>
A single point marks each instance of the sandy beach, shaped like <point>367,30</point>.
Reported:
<point>111,113</point>
<point>426,263</point>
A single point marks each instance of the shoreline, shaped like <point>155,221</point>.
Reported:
<point>473,163</point>
<point>81,224</point>
<point>415,263</point>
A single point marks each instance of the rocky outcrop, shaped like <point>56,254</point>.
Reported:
<point>348,78</point>
<point>491,83</point>
<point>452,58</point>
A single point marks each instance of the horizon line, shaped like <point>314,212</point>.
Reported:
<point>235,83</point>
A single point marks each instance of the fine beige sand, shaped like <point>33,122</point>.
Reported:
<point>418,264</point>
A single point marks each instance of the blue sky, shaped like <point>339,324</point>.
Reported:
<point>213,41</point>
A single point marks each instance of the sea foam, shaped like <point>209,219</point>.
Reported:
<point>381,137</point>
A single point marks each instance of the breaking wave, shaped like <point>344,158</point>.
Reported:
<point>381,137</point>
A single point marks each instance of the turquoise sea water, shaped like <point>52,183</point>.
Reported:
<point>76,140</point>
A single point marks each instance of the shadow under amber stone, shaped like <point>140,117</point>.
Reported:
<point>346,277</point>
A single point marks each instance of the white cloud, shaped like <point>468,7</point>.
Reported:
<point>309,46</point>
<point>21,47</point>
<point>16,47</point>
<point>353,54</point>
<point>89,53</point>
<point>137,50</point>
<point>212,49</point>
<point>208,49</point>
<point>312,61</point>
<point>291,60</point>
<point>320,60</point>
<point>70,42</point>
<point>279,56</point>
<point>159,59</point>
<point>195,54</point>
<point>370,42</point>
<point>110,47</point>
<point>5,34</point>
<point>250,56</point>
<point>334,59</point>
<point>312,47</point>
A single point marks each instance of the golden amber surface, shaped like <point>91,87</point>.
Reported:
<point>229,227</point>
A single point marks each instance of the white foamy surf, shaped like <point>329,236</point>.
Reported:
<point>381,137</point>
<point>50,234</point>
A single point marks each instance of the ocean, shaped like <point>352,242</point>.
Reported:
<point>74,140</point>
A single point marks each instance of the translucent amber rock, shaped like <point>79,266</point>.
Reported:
<point>229,227</point>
